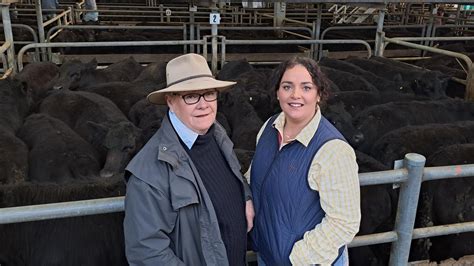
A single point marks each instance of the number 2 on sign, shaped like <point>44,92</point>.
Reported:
<point>214,18</point>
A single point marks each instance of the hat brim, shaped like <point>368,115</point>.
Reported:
<point>202,83</point>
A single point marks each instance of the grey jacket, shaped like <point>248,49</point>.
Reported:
<point>169,217</point>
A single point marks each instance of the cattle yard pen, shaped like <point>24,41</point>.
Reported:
<point>410,177</point>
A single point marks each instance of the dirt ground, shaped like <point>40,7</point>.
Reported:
<point>464,261</point>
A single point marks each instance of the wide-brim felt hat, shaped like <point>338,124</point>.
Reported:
<point>189,72</point>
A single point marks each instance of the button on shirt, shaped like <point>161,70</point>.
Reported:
<point>333,173</point>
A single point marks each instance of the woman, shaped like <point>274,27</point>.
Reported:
<point>303,176</point>
<point>186,201</point>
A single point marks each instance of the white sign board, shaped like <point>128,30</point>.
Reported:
<point>193,8</point>
<point>214,18</point>
<point>168,12</point>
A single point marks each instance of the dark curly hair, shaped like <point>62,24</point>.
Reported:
<point>318,77</point>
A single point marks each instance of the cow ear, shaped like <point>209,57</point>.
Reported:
<point>98,131</point>
<point>92,64</point>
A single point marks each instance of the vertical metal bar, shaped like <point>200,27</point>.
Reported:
<point>204,48</point>
<point>191,30</point>
<point>214,48</point>
<point>161,13</point>
<point>406,211</point>
<point>222,51</point>
<point>406,14</point>
<point>198,37</point>
<point>458,15</point>
<point>470,84</point>
<point>279,10</point>
<point>185,36</point>
<point>39,20</point>
<point>379,35</point>
<point>429,30</point>
<point>317,31</point>
<point>7,28</point>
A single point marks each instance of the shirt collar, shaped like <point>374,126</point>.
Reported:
<point>185,133</point>
<point>306,134</point>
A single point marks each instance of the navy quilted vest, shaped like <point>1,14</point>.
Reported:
<point>285,206</point>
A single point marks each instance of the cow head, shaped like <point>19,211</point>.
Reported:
<point>121,140</point>
<point>71,72</point>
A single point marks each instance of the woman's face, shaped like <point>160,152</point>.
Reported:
<point>199,116</point>
<point>298,95</point>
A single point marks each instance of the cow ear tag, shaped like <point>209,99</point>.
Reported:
<point>398,164</point>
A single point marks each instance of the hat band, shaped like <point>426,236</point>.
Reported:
<point>188,78</point>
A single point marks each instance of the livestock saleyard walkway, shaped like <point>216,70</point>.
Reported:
<point>409,178</point>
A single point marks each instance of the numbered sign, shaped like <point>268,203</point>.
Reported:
<point>168,12</point>
<point>193,8</point>
<point>214,18</point>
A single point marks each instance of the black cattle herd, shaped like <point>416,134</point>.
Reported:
<point>67,133</point>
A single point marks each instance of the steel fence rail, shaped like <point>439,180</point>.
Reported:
<point>411,178</point>
<point>372,239</point>
<point>279,42</point>
<point>99,44</point>
<point>447,229</point>
<point>405,41</point>
<point>61,210</point>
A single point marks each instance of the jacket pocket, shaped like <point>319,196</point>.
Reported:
<point>183,192</point>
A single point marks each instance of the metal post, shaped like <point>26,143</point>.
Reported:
<point>317,31</point>
<point>214,48</point>
<point>406,14</point>
<point>429,30</point>
<point>470,84</point>
<point>379,35</point>
<point>198,37</point>
<point>7,28</point>
<point>406,211</point>
<point>279,10</point>
<point>161,13</point>
<point>191,27</point>
<point>39,20</point>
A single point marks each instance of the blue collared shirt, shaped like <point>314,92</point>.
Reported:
<point>185,133</point>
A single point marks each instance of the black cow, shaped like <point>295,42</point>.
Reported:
<point>154,72</point>
<point>123,94</point>
<point>356,101</point>
<point>147,116</point>
<point>337,114</point>
<point>74,74</point>
<point>347,81</point>
<point>242,118</point>
<point>377,120</point>
<point>452,202</point>
<point>426,83</point>
<point>95,240</point>
<point>378,207</point>
<point>423,139</point>
<point>100,122</point>
<point>14,105</point>
<point>382,84</point>
<point>38,78</point>
<point>232,70</point>
<point>57,154</point>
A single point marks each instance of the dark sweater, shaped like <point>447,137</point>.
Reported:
<point>226,194</point>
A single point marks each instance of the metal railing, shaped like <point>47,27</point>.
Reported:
<point>410,177</point>
<point>104,44</point>
<point>470,69</point>
<point>337,28</point>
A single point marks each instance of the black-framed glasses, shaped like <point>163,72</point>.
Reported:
<point>193,98</point>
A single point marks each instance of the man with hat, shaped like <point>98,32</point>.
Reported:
<point>187,202</point>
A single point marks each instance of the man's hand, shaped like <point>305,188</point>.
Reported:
<point>249,214</point>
